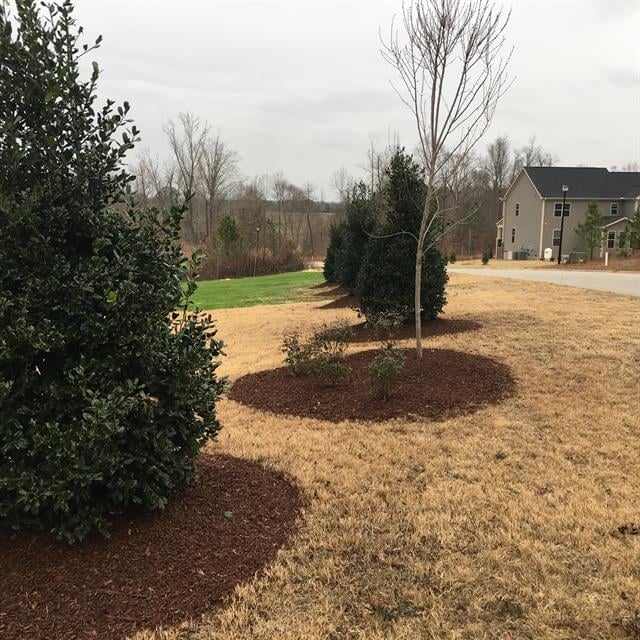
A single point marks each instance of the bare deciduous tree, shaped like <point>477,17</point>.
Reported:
<point>343,183</point>
<point>532,155</point>
<point>219,173</point>
<point>448,56</point>
<point>308,206</point>
<point>499,165</point>
<point>187,143</point>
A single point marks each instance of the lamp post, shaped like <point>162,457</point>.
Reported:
<point>565,188</point>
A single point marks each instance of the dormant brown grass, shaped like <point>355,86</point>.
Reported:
<point>494,525</point>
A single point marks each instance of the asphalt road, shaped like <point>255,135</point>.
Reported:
<point>614,282</point>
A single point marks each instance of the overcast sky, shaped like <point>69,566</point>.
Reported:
<point>300,86</point>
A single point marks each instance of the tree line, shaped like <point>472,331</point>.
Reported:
<point>245,226</point>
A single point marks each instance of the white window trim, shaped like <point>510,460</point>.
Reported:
<point>553,238</point>
<point>517,209</point>
<point>617,206</point>
<point>513,234</point>
<point>611,237</point>
<point>567,206</point>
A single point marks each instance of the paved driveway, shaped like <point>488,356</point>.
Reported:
<point>618,282</point>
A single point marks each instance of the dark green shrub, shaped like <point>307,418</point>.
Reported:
<point>385,369</point>
<point>104,401</point>
<point>486,255</point>
<point>334,251</point>
<point>452,257</point>
<point>354,234</point>
<point>386,281</point>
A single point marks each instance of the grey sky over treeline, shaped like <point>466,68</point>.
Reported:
<point>300,86</point>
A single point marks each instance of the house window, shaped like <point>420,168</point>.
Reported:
<point>556,237</point>
<point>517,208</point>
<point>557,208</point>
<point>622,241</point>
<point>614,209</point>
<point>513,234</point>
<point>611,239</point>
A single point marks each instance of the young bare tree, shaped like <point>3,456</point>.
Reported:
<point>449,58</point>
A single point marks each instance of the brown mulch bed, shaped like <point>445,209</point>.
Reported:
<point>322,285</point>
<point>437,327</point>
<point>335,292</point>
<point>341,303</point>
<point>157,569</point>
<point>445,383</point>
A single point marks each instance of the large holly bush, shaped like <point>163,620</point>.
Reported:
<point>106,393</point>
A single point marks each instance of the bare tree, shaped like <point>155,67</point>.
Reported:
<point>343,183</point>
<point>452,75</point>
<point>532,155</point>
<point>219,174</point>
<point>279,191</point>
<point>187,143</point>
<point>308,205</point>
<point>499,164</point>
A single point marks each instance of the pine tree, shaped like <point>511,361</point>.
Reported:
<point>590,231</point>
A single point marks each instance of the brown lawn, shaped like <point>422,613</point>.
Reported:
<point>491,525</point>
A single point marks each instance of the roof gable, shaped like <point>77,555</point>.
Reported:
<point>585,182</point>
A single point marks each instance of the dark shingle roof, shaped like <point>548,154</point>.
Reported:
<point>585,182</point>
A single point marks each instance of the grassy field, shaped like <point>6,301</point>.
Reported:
<point>261,290</point>
<point>494,525</point>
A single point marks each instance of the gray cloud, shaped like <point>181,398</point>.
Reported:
<point>301,86</point>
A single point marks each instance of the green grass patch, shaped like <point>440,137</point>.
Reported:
<point>248,292</point>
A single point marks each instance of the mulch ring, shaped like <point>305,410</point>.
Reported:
<point>438,327</point>
<point>341,303</point>
<point>335,292</point>
<point>445,383</point>
<point>155,570</point>
<point>323,285</point>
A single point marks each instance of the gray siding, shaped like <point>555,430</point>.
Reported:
<point>570,240</point>
<point>527,222</point>
<point>530,226</point>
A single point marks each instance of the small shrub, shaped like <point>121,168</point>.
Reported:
<point>385,369</point>
<point>389,320</point>
<point>332,339</point>
<point>485,257</point>
<point>452,257</point>
<point>299,354</point>
<point>329,345</point>
<point>331,368</point>
<point>322,354</point>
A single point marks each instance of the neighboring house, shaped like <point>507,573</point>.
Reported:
<point>532,207</point>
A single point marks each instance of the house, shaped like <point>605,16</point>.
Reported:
<point>532,209</point>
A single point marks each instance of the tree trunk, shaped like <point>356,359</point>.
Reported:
<point>310,235</point>
<point>424,227</point>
